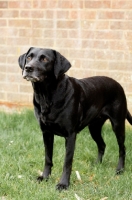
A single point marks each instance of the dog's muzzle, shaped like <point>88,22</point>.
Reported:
<point>27,74</point>
<point>31,78</point>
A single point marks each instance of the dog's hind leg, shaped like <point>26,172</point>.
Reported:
<point>119,129</point>
<point>95,131</point>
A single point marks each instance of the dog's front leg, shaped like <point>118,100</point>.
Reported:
<point>48,139</point>
<point>65,178</point>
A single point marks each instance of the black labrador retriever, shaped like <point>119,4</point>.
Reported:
<point>65,105</point>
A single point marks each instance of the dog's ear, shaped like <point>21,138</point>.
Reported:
<point>22,59</point>
<point>61,64</point>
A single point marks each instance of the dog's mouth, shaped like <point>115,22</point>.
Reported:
<point>32,78</point>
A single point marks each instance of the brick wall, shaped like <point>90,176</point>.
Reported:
<point>95,35</point>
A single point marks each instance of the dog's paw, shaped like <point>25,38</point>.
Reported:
<point>40,179</point>
<point>61,186</point>
<point>119,171</point>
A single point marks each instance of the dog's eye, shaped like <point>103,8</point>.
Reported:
<point>29,58</point>
<point>44,59</point>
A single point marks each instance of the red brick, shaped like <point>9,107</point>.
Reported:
<point>67,24</point>
<point>70,4</point>
<point>2,96</point>
<point>9,13</point>
<point>3,58</point>
<point>92,25</point>
<point>3,32</point>
<point>81,73</point>
<point>62,14</point>
<point>42,24</point>
<point>6,31</point>
<point>119,76</point>
<point>3,77</point>
<point>94,35</point>
<point>109,55</point>
<point>82,54</point>
<point>45,4</point>
<point>50,14</point>
<point>102,25</point>
<point>128,15</point>
<point>3,50</point>
<point>20,23</point>
<point>55,33</point>
<point>126,77</point>
<point>13,67</point>
<point>26,88</point>
<point>63,51</point>
<point>57,4</point>
<point>3,69</point>
<point>11,59</point>
<point>122,4</point>
<point>21,98</point>
<point>18,41</point>
<point>82,14</point>
<point>128,35</point>
<point>84,34</point>
<point>20,4</point>
<point>3,4</point>
<point>76,63</point>
<point>44,43</point>
<point>12,78</point>
<point>95,44</point>
<point>128,55</point>
<point>128,45</point>
<point>117,65</point>
<point>7,87</point>
<point>12,31</point>
<point>3,41</point>
<point>129,87</point>
<point>123,25</point>
<point>30,33</point>
<point>109,35</point>
<point>68,43</point>
<point>88,34</point>
<point>32,14</point>
<point>111,15</point>
<point>100,65</point>
<point>3,22</point>
<point>119,45</point>
<point>97,4</point>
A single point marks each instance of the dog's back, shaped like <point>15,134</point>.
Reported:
<point>99,96</point>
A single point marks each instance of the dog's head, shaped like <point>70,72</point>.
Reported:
<point>38,64</point>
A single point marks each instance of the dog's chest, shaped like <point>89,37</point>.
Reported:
<point>48,109</point>
<point>52,122</point>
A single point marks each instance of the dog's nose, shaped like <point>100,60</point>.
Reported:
<point>28,68</point>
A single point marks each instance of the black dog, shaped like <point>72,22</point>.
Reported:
<point>65,105</point>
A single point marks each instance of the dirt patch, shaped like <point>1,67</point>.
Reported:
<point>14,107</point>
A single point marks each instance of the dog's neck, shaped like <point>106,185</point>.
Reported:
<point>43,92</point>
<point>44,95</point>
<point>47,86</point>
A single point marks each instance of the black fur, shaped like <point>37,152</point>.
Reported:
<point>65,105</point>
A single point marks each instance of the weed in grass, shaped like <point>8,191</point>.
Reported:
<point>21,152</point>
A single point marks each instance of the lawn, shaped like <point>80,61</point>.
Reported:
<point>21,152</point>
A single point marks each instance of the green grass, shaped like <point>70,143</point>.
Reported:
<point>21,157</point>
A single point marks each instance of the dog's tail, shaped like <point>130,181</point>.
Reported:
<point>129,117</point>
